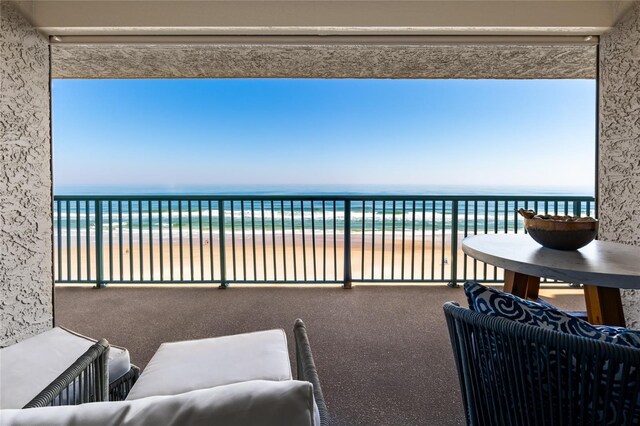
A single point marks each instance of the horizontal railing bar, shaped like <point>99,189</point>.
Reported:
<point>415,280</point>
<point>367,280</point>
<point>336,197</point>
<point>283,282</point>
<point>196,281</point>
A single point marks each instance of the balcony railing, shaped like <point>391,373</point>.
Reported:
<point>283,239</point>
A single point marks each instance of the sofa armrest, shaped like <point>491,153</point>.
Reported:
<point>306,369</point>
<point>86,380</point>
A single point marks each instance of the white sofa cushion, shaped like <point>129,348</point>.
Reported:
<point>254,403</point>
<point>198,364</point>
<point>27,367</point>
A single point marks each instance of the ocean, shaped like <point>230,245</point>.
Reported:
<point>293,189</point>
<point>77,216</point>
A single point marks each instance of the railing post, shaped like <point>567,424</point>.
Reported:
<point>454,245</point>
<point>577,210</point>
<point>221,239</point>
<point>347,244</point>
<point>99,252</point>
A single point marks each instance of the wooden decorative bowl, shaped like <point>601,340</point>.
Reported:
<point>560,232</point>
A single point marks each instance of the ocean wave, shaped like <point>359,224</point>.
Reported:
<point>297,218</point>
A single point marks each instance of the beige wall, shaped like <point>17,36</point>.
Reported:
<point>619,162</point>
<point>26,294</point>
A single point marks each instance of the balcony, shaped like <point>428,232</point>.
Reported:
<point>382,352</point>
<point>284,257</point>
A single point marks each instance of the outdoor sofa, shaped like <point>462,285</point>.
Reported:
<point>244,379</point>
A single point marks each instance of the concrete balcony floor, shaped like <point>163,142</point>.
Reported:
<point>382,352</point>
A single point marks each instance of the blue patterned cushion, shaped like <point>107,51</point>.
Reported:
<point>621,336</point>
<point>490,301</point>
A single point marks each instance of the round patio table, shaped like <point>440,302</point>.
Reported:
<point>603,267</point>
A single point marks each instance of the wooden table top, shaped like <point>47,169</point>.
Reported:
<point>600,263</point>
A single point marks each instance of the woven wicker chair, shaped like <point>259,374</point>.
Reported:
<point>516,374</point>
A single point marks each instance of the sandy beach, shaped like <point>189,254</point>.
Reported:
<point>268,259</point>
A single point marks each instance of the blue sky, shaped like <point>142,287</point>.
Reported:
<point>324,132</point>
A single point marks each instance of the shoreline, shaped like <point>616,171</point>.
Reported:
<point>262,260</point>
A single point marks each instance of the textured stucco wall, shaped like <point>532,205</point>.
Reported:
<point>26,304</point>
<point>619,182</point>
<point>322,61</point>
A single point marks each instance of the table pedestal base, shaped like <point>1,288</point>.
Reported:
<point>521,285</point>
<point>604,305</point>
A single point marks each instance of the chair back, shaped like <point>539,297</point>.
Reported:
<point>516,374</point>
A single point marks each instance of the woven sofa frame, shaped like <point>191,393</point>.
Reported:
<point>512,373</point>
<point>306,369</point>
<point>86,380</point>
<point>119,389</point>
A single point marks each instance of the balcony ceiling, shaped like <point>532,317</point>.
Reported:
<point>323,39</point>
<point>310,17</point>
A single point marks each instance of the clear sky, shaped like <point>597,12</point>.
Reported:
<point>267,131</point>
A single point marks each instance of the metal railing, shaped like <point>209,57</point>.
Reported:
<point>283,239</point>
